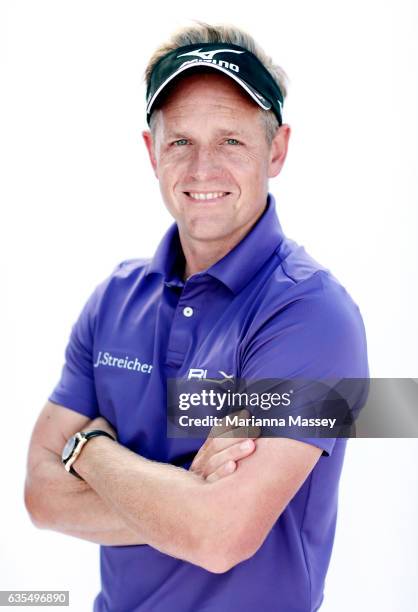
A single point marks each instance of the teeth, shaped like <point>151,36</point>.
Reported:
<point>207,196</point>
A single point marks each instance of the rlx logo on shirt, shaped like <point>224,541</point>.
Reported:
<point>202,374</point>
<point>126,363</point>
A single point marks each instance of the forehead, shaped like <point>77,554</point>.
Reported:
<point>209,90</point>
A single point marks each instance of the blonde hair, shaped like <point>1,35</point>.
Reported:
<point>221,33</point>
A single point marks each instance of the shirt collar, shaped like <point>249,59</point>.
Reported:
<point>237,267</point>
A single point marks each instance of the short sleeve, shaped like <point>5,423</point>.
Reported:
<point>317,334</point>
<point>76,388</point>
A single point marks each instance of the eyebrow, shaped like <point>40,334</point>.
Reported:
<point>220,132</point>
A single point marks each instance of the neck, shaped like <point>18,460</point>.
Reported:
<point>198,258</point>
<point>201,255</point>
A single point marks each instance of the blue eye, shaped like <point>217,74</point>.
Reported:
<point>183,141</point>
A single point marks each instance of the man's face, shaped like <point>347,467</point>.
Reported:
<point>210,140</point>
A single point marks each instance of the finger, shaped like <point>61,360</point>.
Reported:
<point>251,431</point>
<point>233,453</point>
<point>219,444</point>
<point>223,428</point>
<point>215,446</point>
<point>224,470</point>
<point>231,437</point>
<point>221,437</point>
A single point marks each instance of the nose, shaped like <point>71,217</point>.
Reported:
<point>203,162</point>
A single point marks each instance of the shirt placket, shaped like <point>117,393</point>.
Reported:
<point>187,315</point>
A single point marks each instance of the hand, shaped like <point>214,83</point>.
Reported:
<point>224,448</point>
<point>100,423</point>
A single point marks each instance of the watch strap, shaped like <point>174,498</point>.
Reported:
<point>97,432</point>
<point>87,435</point>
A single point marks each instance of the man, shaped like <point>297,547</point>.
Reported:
<point>226,293</point>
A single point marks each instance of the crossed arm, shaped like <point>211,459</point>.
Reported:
<point>214,523</point>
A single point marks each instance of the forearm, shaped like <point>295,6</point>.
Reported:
<point>59,501</point>
<point>168,507</point>
<point>114,536</point>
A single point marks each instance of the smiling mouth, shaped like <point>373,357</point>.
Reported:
<point>213,196</point>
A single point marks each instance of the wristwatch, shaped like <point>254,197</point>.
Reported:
<point>74,446</point>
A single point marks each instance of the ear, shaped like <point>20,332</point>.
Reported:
<point>278,150</point>
<point>147,136</point>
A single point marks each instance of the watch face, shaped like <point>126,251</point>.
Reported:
<point>69,448</point>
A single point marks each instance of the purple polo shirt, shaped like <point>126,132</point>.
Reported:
<point>265,310</point>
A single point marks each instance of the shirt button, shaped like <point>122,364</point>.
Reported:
<point>187,311</point>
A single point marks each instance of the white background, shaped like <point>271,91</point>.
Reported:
<point>78,196</point>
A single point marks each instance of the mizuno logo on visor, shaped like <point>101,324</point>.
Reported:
<point>208,55</point>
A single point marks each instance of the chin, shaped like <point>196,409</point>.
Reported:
<point>205,231</point>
